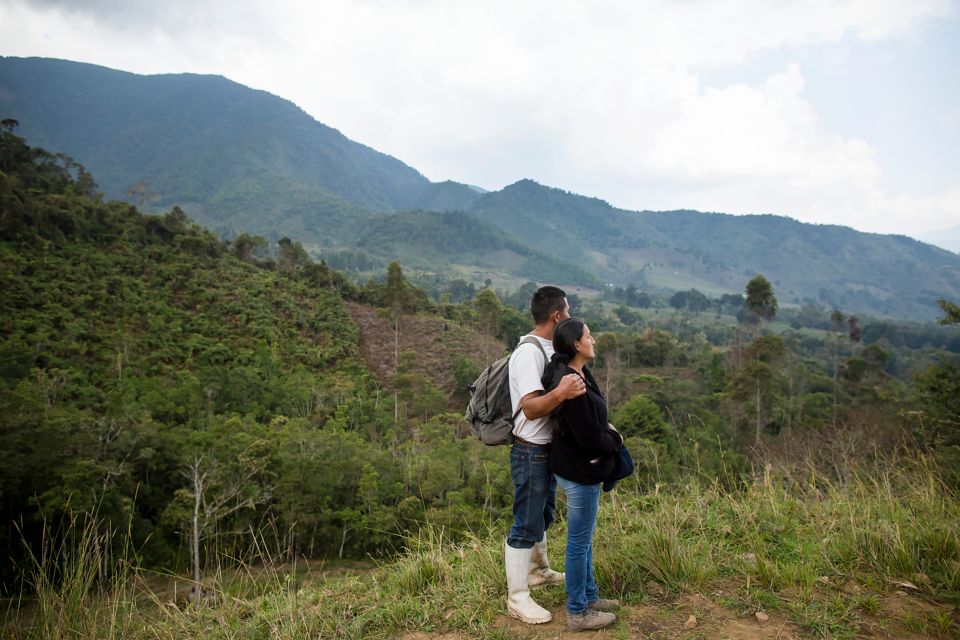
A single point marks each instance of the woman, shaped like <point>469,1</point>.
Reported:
<point>581,457</point>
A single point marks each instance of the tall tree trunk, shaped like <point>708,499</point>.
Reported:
<point>396,363</point>
<point>195,528</point>
<point>343,539</point>
<point>790,400</point>
<point>486,497</point>
<point>836,349</point>
<point>732,406</point>
<point>757,439</point>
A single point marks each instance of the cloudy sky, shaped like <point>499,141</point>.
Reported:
<point>828,111</point>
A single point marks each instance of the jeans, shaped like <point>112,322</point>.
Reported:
<point>534,495</point>
<point>583,502</point>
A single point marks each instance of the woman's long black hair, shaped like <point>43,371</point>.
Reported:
<point>565,337</point>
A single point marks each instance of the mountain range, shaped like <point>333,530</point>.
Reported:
<point>242,160</point>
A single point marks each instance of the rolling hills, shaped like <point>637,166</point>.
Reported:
<point>835,266</point>
<point>241,160</point>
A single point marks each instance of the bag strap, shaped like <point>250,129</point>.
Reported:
<point>528,339</point>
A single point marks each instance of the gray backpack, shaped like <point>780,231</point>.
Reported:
<point>490,411</point>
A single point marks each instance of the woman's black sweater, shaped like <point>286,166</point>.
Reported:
<point>584,444</point>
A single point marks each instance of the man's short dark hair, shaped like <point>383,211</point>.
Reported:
<point>545,301</point>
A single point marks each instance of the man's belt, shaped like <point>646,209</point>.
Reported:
<point>520,440</point>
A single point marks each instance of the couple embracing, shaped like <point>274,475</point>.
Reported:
<point>561,437</point>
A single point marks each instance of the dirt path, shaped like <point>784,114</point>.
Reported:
<point>691,617</point>
<point>700,617</point>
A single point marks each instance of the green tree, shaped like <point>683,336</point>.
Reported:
<point>250,248</point>
<point>399,297</point>
<point>465,371</point>
<point>489,310</point>
<point>758,379</point>
<point>679,300</point>
<point>760,299</point>
<point>691,300</point>
<point>761,305</point>
<point>937,391</point>
<point>837,321</point>
<point>398,293</point>
<point>291,256</point>
<point>951,312</point>
<point>513,325</point>
<point>656,348</point>
<point>641,416</point>
<point>608,356</point>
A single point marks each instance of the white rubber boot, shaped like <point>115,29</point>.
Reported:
<point>519,603</point>
<point>540,571</point>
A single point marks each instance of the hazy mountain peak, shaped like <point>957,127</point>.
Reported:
<point>190,135</point>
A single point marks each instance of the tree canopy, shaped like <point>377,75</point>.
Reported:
<point>760,300</point>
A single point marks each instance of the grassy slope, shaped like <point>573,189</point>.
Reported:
<point>874,556</point>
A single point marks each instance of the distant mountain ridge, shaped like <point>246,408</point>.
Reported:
<point>193,136</point>
<point>242,160</point>
<point>827,264</point>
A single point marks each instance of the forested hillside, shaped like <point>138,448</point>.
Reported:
<point>194,138</point>
<point>834,266</point>
<point>425,239</point>
<point>176,409</point>
<point>147,365</point>
<point>244,161</point>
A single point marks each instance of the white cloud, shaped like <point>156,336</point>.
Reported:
<point>601,99</point>
<point>761,149</point>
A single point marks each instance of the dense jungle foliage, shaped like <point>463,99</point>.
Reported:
<point>191,393</point>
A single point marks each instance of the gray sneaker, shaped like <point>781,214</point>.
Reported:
<point>604,604</point>
<point>589,620</point>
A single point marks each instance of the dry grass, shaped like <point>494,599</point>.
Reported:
<point>874,555</point>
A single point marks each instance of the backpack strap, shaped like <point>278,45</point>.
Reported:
<point>528,339</point>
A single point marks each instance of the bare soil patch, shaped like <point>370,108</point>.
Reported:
<point>438,343</point>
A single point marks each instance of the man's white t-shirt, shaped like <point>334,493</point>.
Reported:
<point>525,370</point>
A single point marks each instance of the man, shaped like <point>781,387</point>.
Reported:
<point>525,553</point>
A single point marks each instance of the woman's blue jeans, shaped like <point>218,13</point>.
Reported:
<point>583,502</point>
